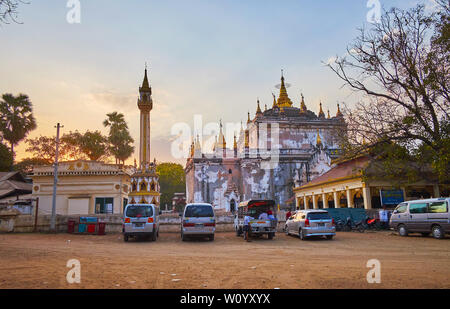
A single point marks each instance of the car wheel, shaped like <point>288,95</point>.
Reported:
<point>301,235</point>
<point>402,231</point>
<point>211,237</point>
<point>329,237</point>
<point>425,234</point>
<point>183,238</point>
<point>153,236</point>
<point>270,235</point>
<point>125,238</point>
<point>286,230</point>
<point>437,232</point>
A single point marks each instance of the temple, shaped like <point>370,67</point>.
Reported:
<point>280,148</point>
<point>144,181</point>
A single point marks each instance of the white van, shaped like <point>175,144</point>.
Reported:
<point>198,219</point>
<point>141,220</point>
<point>422,216</point>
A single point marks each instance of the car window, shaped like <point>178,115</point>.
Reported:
<point>198,211</point>
<point>139,211</point>
<point>418,208</point>
<point>318,216</point>
<point>401,208</point>
<point>437,207</point>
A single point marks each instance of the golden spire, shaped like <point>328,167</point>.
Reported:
<point>339,114</point>
<point>197,143</point>
<point>235,142</point>
<point>145,83</point>
<point>318,140</point>
<point>283,98</point>
<point>265,107</point>
<point>258,108</point>
<point>222,137</point>
<point>248,119</point>
<point>321,113</point>
<point>303,108</point>
<point>329,114</point>
<point>274,101</point>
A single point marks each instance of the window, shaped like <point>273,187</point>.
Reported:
<point>318,216</point>
<point>139,211</point>
<point>104,205</point>
<point>418,208</point>
<point>437,207</point>
<point>199,211</point>
<point>401,208</point>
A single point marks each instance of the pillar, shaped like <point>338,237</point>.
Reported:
<point>324,200</point>
<point>349,199</point>
<point>367,197</point>
<point>315,204</point>
<point>336,202</point>
<point>305,205</point>
<point>436,192</point>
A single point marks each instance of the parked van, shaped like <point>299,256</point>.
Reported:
<point>422,216</point>
<point>141,220</point>
<point>258,225</point>
<point>198,219</point>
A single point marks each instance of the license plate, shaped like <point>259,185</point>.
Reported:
<point>139,225</point>
<point>321,224</point>
<point>199,225</point>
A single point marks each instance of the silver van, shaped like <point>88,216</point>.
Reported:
<point>306,223</point>
<point>198,219</point>
<point>422,216</point>
<point>141,220</point>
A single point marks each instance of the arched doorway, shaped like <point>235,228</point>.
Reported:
<point>330,199</point>
<point>358,200</point>
<point>232,206</point>
<point>320,202</point>
<point>342,200</point>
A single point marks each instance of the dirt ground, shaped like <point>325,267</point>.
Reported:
<point>39,261</point>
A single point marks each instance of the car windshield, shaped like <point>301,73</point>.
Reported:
<point>139,211</point>
<point>199,211</point>
<point>318,216</point>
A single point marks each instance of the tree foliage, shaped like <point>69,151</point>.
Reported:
<point>6,158</point>
<point>401,67</point>
<point>8,10</point>
<point>16,118</point>
<point>171,180</point>
<point>119,138</point>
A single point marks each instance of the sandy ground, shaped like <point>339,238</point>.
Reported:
<point>39,261</point>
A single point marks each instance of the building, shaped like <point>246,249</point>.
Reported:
<point>281,146</point>
<point>144,181</point>
<point>344,186</point>
<point>13,186</point>
<point>84,187</point>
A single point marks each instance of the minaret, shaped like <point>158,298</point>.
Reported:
<point>145,104</point>
<point>145,180</point>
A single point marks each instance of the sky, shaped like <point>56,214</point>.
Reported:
<point>210,58</point>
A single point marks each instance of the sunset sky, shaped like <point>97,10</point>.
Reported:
<point>212,58</point>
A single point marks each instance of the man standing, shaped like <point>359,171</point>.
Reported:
<point>247,227</point>
<point>384,219</point>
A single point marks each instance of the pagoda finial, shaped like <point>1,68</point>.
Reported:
<point>235,141</point>
<point>339,114</point>
<point>258,108</point>
<point>303,108</point>
<point>283,98</point>
<point>274,101</point>
<point>248,118</point>
<point>321,113</point>
<point>145,84</point>
<point>329,114</point>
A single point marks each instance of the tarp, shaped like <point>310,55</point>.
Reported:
<point>356,214</point>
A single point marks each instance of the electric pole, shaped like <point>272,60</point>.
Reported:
<point>55,181</point>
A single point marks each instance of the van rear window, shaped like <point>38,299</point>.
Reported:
<point>437,207</point>
<point>198,211</point>
<point>318,216</point>
<point>139,211</point>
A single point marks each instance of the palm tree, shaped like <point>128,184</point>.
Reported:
<point>119,137</point>
<point>16,118</point>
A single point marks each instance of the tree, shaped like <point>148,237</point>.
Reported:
<point>25,166</point>
<point>94,145</point>
<point>401,68</point>
<point>44,147</point>
<point>171,180</point>
<point>119,138</point>
<point>6,158</point>
<point>16,118</point>
<point>8,10</point>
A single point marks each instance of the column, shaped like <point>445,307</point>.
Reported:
<point>315,205</point>
<point>305,202</point>
<point>325,201</point>
<point>336,202</point>
<point>436,192</point>
<point>349,199</point>
<point>367,197</point>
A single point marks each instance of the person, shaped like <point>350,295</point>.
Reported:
<point>270,215</point>
<point>247,220</point>
<point>288,214</point>
<point>263,216</point>
<point>384,219</point>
